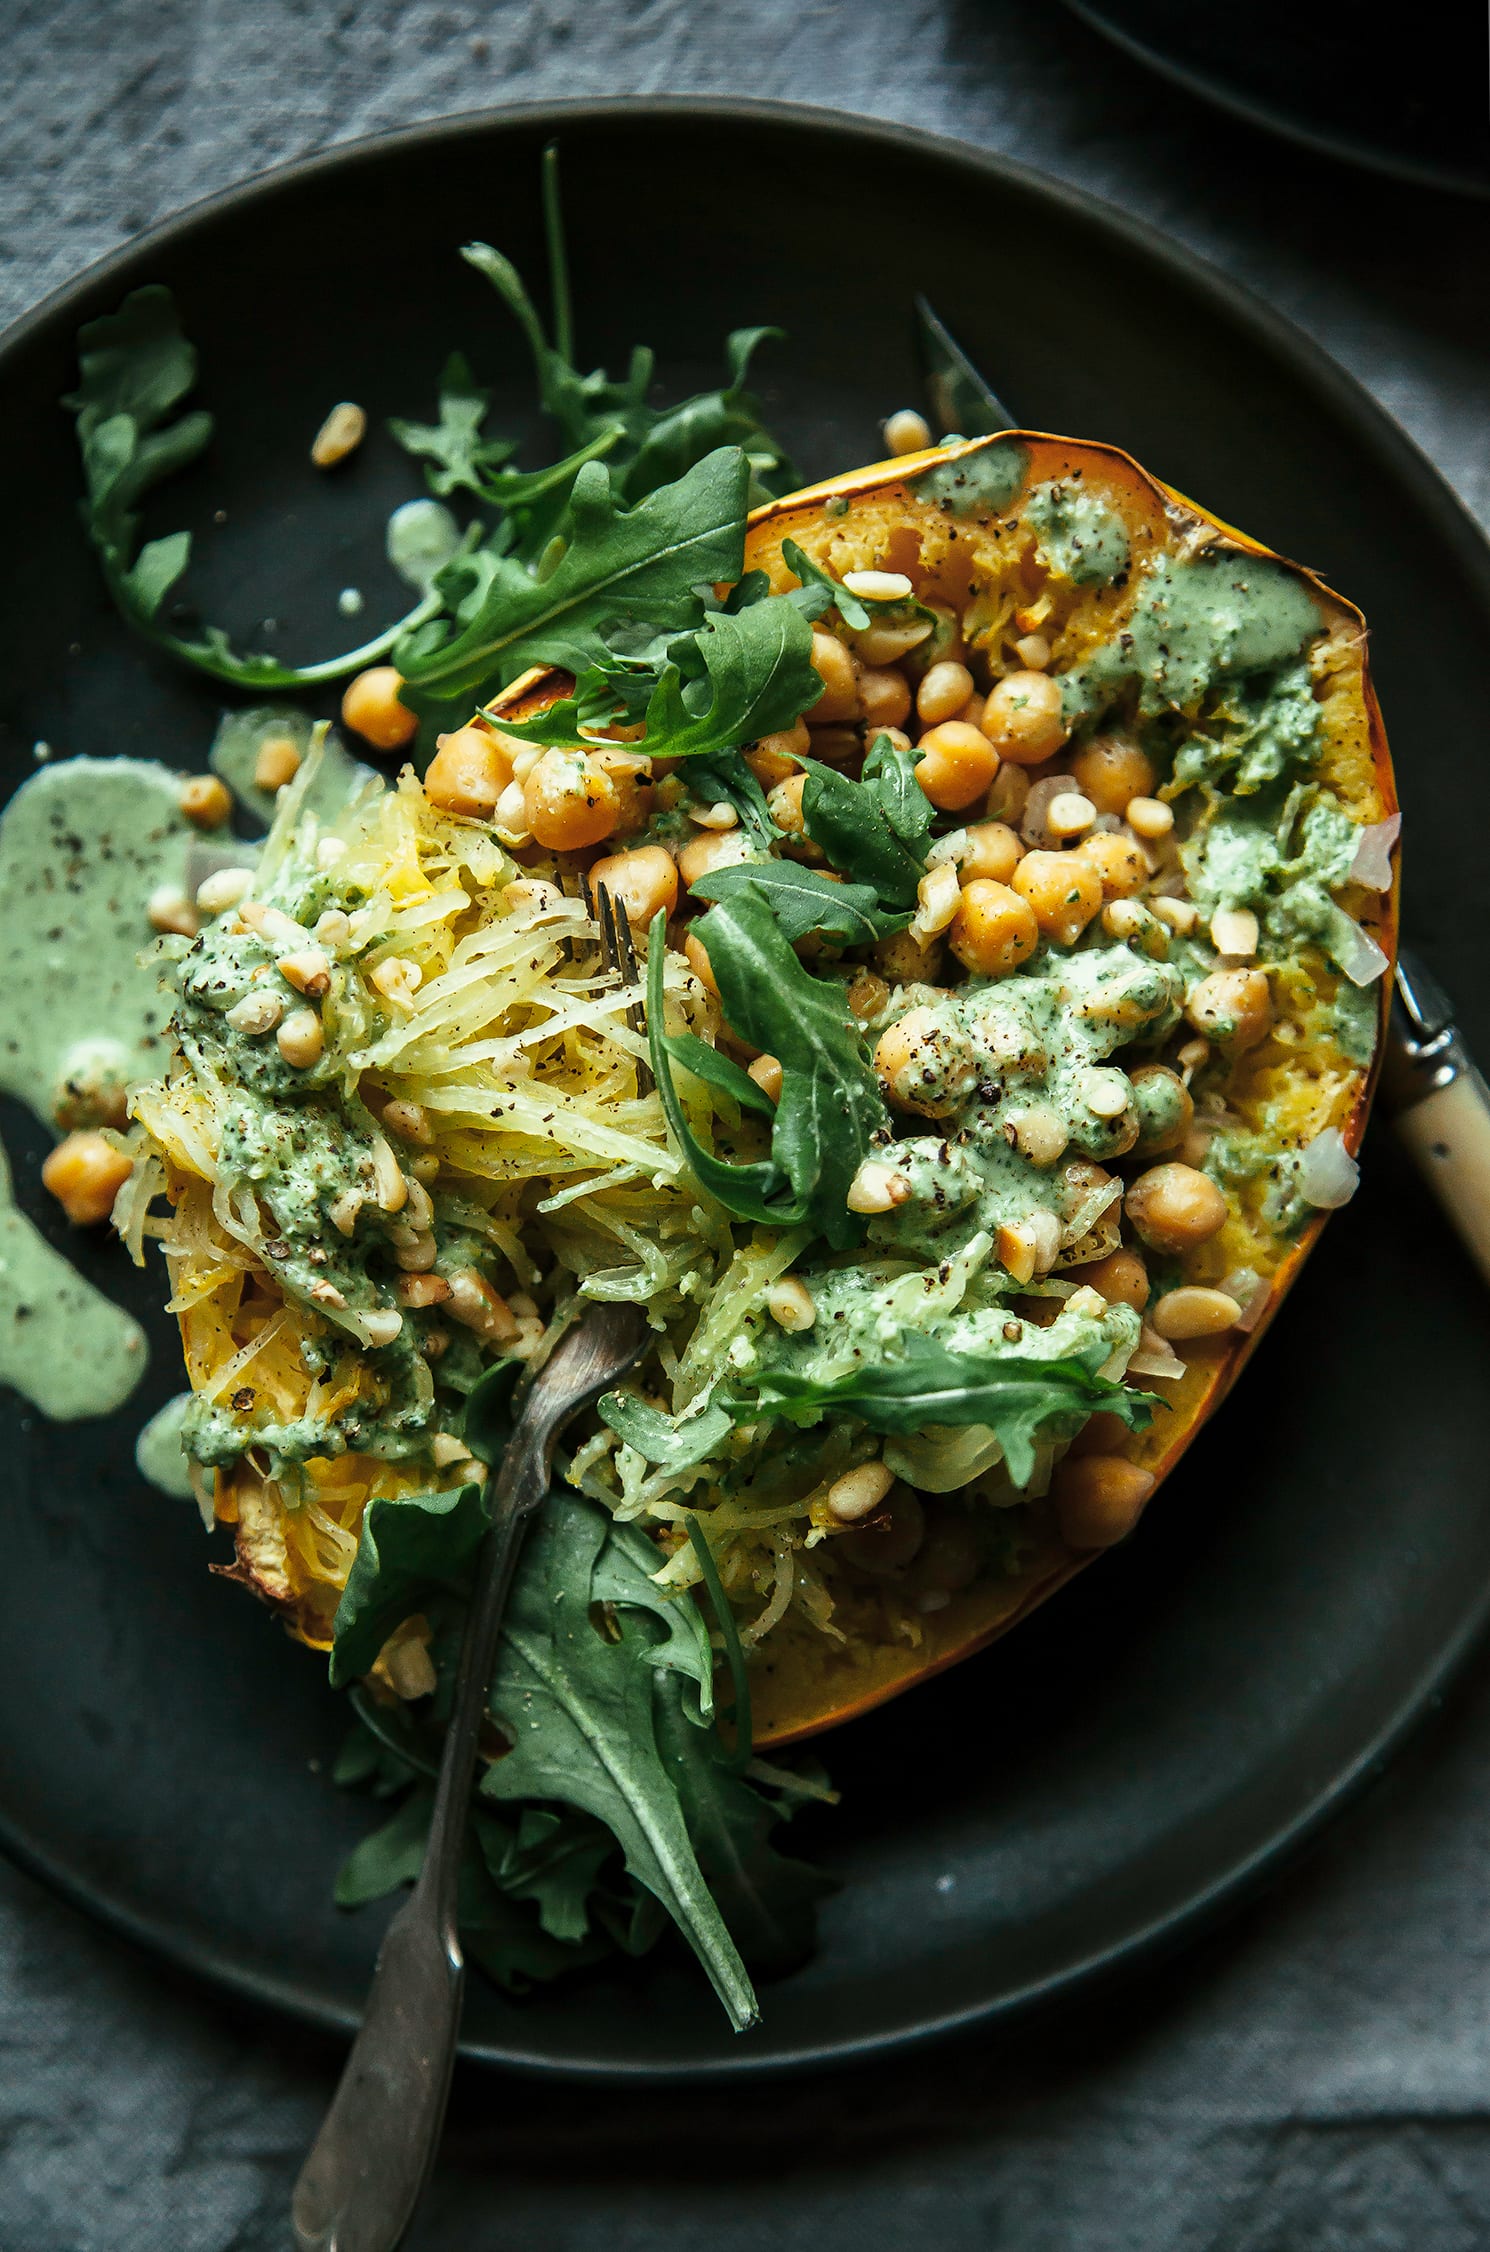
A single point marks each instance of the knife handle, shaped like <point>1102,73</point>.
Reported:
<point>1448,1135</point>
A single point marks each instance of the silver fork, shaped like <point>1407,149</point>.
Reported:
<point>368,2166</point>
<point>620,956</point>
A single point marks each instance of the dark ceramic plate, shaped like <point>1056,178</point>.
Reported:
<point>1342,81</point>
<point>1198,1702</point>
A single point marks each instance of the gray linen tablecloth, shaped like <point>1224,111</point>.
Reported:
<point>1317,2075</point>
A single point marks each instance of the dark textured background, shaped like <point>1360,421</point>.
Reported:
<point>1318,2074</point>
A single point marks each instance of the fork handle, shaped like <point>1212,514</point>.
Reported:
<point>368,2165</point>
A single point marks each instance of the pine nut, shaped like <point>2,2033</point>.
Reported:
<point>309,971</point>
<point>340,434</point>
<point>1069,814</point>
<point>381,1328</point>
<point>343,1210</point>
<point>1182,915</point>
<point>474,1303</point>
<point>1234,933</point>
<point>1149,817</point>
<point>410,1121</point>
<point>169,909</point>
<point>422,1289</point>
<point>790,1305</point>
<point>938,896</point>
<point>858,1493</point>
<point>301,1039</point>
<point>1106,1093</point>
<point>1192,1311</point>
<point>206,802</point>
<point>278,762</point>
<point>879,586</point>
<point>876,1188</point>
<point>217,893</point>
<point>257,1012</point>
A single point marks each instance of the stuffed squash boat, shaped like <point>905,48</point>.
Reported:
<point>1007,848</point>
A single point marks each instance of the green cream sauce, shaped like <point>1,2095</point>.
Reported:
<point>236,746</point>
<point>1080,537</point>
<point>1214,619</point>
<point>422,536</point>
<point>976,484</point>
<point>160,1457</point>
<point>83,844</point>
<point>63,1345</point>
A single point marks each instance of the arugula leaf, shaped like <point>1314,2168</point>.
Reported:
<point>857,611</point>
<point>1019,1398</point>
<point>410,1544</point>
<point>890,773</point>
<point>727,779</point>
<point>459,456</point>
<point>756,663</point>
<point>578,1710</point>
<point>732,416</point>
<point>718,1070</point>
<point>617,563</point>
<point>671,1445</point>
<point>487,1423</point>
<point>830,1101</point>
<point>851,822</point>
<point>804,901</point>
<point>135,368</point>
<point>768,1898</point>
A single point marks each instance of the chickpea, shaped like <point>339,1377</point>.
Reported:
<point>890,1541</point>
<point>468,773</point>
<point>715,848</point>
<point>1165,1110</point>
<point>958,764</point>
<point>944,691</point>
<point>1102,1433</point>
<point>920,1070</point>
<point>641,881</point>
<point>1120,864</point>
<point>774,757</point>
<point>1099,1498</point>
<point>277,763</point>
<point>867,995</point>
<point>699,963</point>
<point>1232,1007</point>
<point>1023,717</point>
<point>884,697</point>
<point>1063,888</point>
<point>835,667</point>
<point>1010,794</point>
<point>372,710</point>
<point>907,960</point>
<point>835,746</point>
<point>907,432</point>
<point>1173,1208</point>
<point>571,800</point>
<point>1111,770</point>
<point>994,929</point>
<point>85,1173</point>
<point>1122,1278</point>
<point>991,850</point>
<point>784,804</point>
<point>206,802</point>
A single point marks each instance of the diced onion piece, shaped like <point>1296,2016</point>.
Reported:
<point>1372,865</point>
<point>1359,956</point>
<point>1155,1356</point>
<point>1251,1292</point>
<point>1328,1174</point>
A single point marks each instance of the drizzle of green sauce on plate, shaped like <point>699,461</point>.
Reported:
<point>159,1456</point>
<point>83,844</point>
<point>63,1345</point>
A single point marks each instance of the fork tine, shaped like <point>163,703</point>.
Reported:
<point>620,954</point>
<point>636,1015</point>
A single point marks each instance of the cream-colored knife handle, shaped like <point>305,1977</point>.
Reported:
<point>1448,1133</point>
